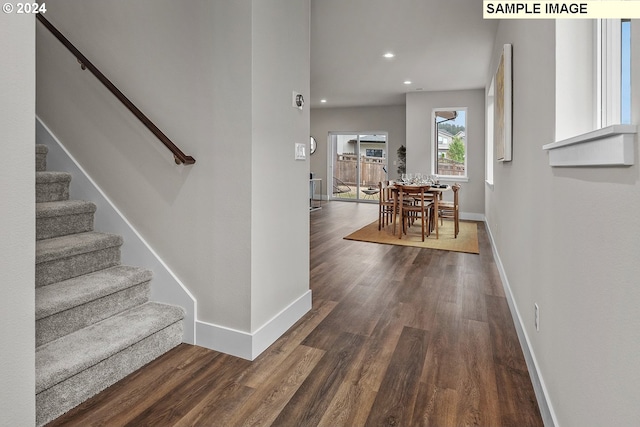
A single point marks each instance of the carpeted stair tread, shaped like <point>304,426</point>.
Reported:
<point>66,246</point>
<point>51,186</point>
<point>41,157</point>
<point>65,357</point>
<point>56,400</point>
<point>47,177</point>
<point>64,217</point>
<point>94,322</point>
<point>70,293</point>
<point>68,321</point>
<point>64,207</point>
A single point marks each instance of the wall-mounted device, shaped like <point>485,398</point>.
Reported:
<point>298,100</point>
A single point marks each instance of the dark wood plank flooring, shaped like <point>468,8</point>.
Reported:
<point>397,336</point>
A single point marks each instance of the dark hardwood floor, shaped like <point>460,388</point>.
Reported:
<point>397,336</point>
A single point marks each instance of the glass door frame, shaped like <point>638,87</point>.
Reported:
<point>332,153</point>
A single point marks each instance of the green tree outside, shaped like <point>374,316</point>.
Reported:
<point>456,150</point>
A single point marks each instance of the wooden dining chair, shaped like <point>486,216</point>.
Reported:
<point>386,206</point>
<point>451,210</point>
<point>419,208</point>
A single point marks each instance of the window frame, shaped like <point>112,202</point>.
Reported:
<point>434,145</point>
<point>606,140</point>
<point>608,72</point>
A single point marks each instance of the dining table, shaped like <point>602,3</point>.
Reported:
<point>436,190</point>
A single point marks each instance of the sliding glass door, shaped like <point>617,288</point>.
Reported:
<point>358,164</point>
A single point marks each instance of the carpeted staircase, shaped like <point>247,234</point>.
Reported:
<point>94,322</point>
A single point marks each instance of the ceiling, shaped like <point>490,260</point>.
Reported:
<point>438,45</point>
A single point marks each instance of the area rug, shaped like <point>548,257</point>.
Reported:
<point>467,240</point>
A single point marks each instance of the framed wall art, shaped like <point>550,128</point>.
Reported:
<point>503,104</point>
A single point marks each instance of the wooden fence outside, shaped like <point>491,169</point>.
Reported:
<point>371,169</point>
<point>372,172</point>
<point>450,167</point>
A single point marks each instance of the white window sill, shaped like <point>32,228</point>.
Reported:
<point>453,179</point>
<point>609,146</point>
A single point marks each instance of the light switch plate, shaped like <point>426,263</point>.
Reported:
<point>301,151</point>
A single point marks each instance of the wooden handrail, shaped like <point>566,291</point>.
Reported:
<point>178,155</point>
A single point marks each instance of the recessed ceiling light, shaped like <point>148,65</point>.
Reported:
<point>407,82</point>
<point>388,55</point>
<point>323,100</point>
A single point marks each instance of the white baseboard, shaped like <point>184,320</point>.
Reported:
<point>470,216</point>
<point>249,346</point>
<point>165,285</point>
<point>546,408</point>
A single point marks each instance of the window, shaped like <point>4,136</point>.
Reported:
<point>625,62</point>
<point>593,103</point>
<point>613,73</point>
<point>449,142</point>
<point>593,71</point>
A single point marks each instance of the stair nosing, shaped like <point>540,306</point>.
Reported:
<point>91,287</point>
<point>64,207</point>
<point>52,368</point>
<point>74,244</point>
<point>44,177</point>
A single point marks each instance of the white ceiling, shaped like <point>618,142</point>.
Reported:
<point>439,45</point>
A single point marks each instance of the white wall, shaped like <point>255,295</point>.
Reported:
<point>191,70</point>
<point>420,107</point>
<point>389,119</point>
<point>567,239</point>
<point>280,186</point>
<point>17,224</point>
